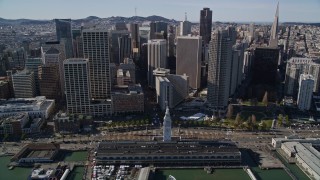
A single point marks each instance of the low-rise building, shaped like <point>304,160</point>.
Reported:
<point>37,153</point>
<point>71,123</point>
<point>19,124</point>
<point>169,153</point>
<point>170,88</point>
<point>38,107</point>
<point>127,99</point>
<point>13,125</point>
<point>307,156</point>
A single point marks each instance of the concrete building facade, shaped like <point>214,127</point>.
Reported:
<point>77,85</point>
<point>297,66</point>
<point>219,71</point>
<point>188,52</point>
<point>24,84</point>
<point>96,50</point>
<point>157,57</point>
<point>306,84</point>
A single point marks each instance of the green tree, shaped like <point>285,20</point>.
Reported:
<point>265,98</point>
<point>263,125</point>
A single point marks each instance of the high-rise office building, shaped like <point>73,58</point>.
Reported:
<point>247,63</point>
<point>188,61</point>
<point>115,46</point>
<point>77,43</point>
<point>124,47</point>
<point>32,64</point>
<point>135,38</point>
<point>24,84</point>
<point>152,30</point>
<point>77,85</point>
<point>237,65</point>
<point>234,70</point>
<point>96,50</point>
<point>49,81</point>
<point>185,28</point>
<point>297,66</point>
<point>54,55</point>
<point>171,45</point>
<point>219,67</point>
<point>273,41</point>
<point>265,65</point>
<point>64,34</point>
<point>306,84</point>
<point>162,27</point>
<point>205,24</point>
<point>157,57</point>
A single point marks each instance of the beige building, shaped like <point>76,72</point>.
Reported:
<point>188,62</point>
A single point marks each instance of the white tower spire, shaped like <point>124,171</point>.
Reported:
<point>167,125</point>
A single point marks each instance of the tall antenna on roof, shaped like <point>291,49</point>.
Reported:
<point>185,16</point>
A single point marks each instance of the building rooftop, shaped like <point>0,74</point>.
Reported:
<point>166,148</point>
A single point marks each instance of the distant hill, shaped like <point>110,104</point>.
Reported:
<point>111,20</point>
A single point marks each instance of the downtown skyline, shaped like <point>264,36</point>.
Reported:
<point>231,10</point>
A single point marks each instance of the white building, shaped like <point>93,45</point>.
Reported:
<point>297,66</point>
<point>38,107</point>
<point>305,151</point>
<point>170,88</point>
<point>306,84</point>
<point>167,126</point>
<point>157,57</point>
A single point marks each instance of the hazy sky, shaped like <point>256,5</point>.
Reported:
<point>222,10</point>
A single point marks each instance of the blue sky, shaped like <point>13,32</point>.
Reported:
<point>223,10</point>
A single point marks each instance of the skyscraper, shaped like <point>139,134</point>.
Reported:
<point>49,81</point>
<point>54,53</point>
<point>205,24</point>
<point>24,84</point>
<point>185,28</point>
<point>64,33</point>
<point>306,83</point>
<point>157,57</point>
<point>135,38</point>
<point>219,67</point>
<point>273,41</point>
<point>152,30</point>
<point>115,46</point>
<point>189,59</point>
<point>32,64</point>
<point>297,66</point>
<point>77,86</point>
<point>96,50</point>
<point>124,47</point>
<point>265,65</point>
